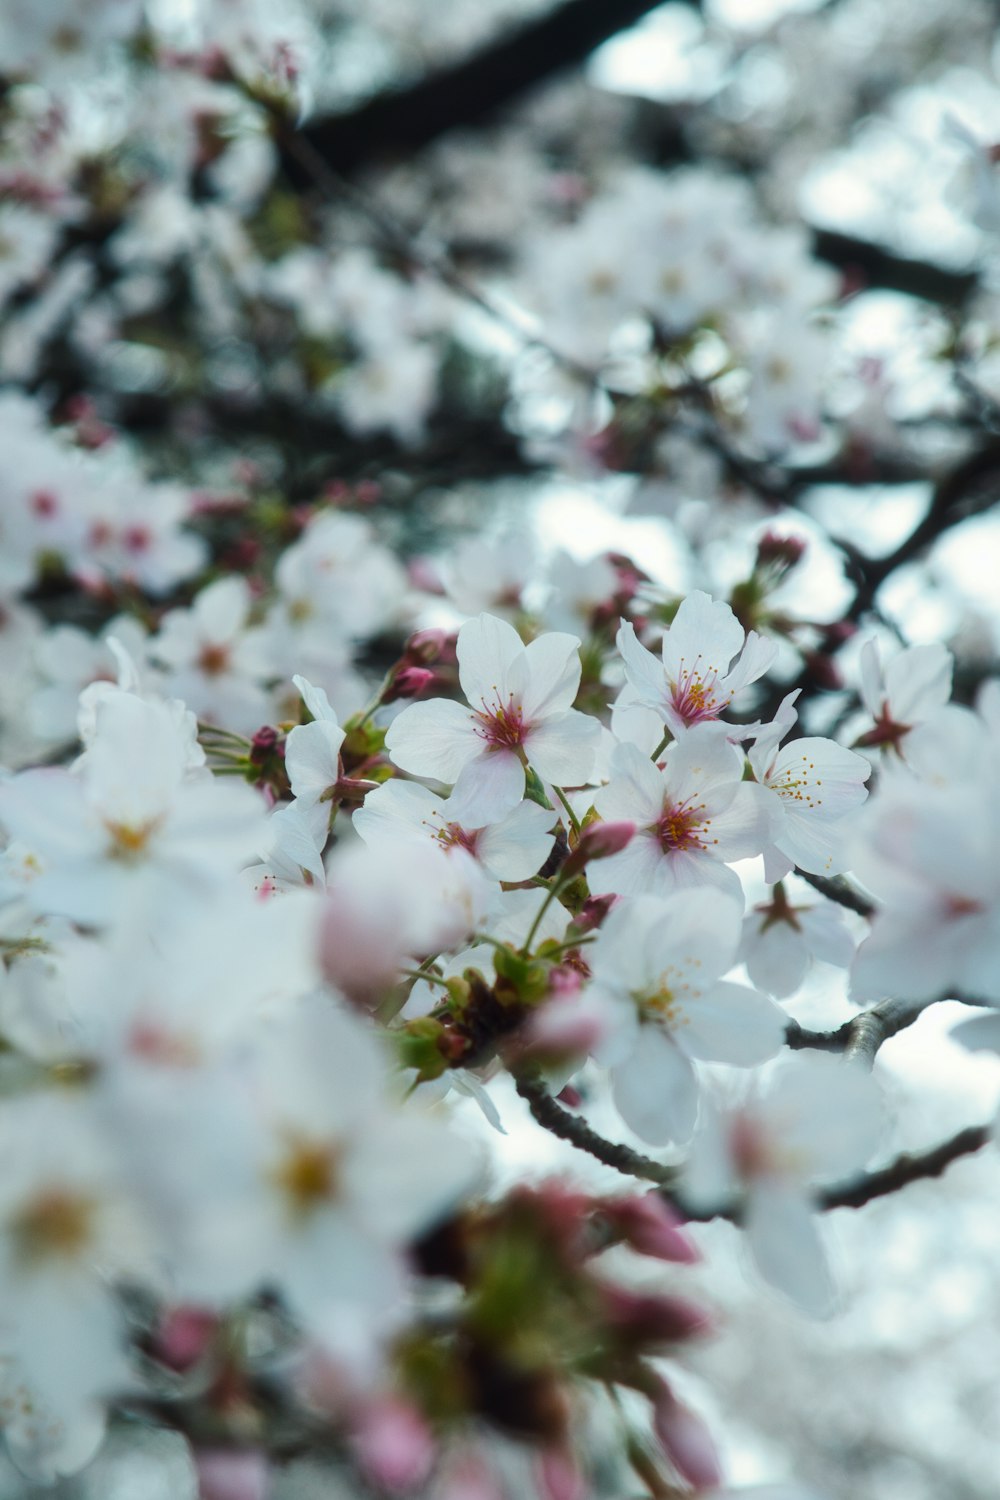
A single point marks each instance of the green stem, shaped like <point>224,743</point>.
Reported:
<point>550,896</point>
<point>574,820</point>
<point>662,746</point>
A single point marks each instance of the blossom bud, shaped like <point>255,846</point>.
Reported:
<point>780,552</point>
<point>426,646</point>
<point>649,1319</point>
<point>599,841</point>
<point>409,682</point>
<point>646,1223</point>
<point>393,1445</point>
<point>593,912</point>
<point>265,743</point>
<point>686,1441</point>
<point>559,1477</point>
<point>231,1473</point>
<point>823,670</point>
<point>184,1336</point>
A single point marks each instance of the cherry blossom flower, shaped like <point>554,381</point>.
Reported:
<point>691,817</point>
<point>929,856</point>
<point>386,904</point>
<point>521,714</point>
<point>812,786</point>
<point>903,692</point>
<point>65,1224</point>
<point>312,751</point>
<point>659,964</point>
<point>698,678</point>
<point>781,939</point>
<point>345,1177</point>
<point>512,848</point>
<point>214,662</point>
<point>130,820</point>
<point>818,1119</point>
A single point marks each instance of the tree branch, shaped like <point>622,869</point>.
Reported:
<point>839,890</point>
<point>551,1115</point>
<point>472,91</point>
<point>876,266</point>
<point>910,1167</point>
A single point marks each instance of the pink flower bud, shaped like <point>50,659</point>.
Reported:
<point>651,1228</point>
<point>599,841</point>
<point>567,1026</point>
<point>559,1477</point>
<point>424,576</point>
<point>592,912</point>
<point>409,682</point>
<point>393,1445</point>
<point>686,1441</point>
<point>649,1319</point>
<point>427,646</point>
<point>184,1336</point>
<point>774,550</point>
<point>231,1473</point>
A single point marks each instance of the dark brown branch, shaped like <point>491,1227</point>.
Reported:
<point>861,1037</point>
<point>551,1115</point>
<point>874,265</point>
<point>910,1167</point>
<point>839,890</point>
<point>472,91</point>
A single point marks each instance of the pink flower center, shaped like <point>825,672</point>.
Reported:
<point>454,836</point>
<point>694,697</point>
<point>44,504</point>
<point>679,827</point>
<point>213,659</point>
<point>502,726</point>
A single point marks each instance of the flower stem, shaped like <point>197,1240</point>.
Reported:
<point>573,819</point>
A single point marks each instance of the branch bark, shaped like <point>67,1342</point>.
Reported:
<point>471,91</point>
<point>910,1167</point>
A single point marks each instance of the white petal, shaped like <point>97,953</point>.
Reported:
<point>488,787</point>
<point>562,750</point>
<point>434,739</point>
<point>554,675</point>
<point>731,1024</point>
<point>656,1090</point>
<point>645,674</point>
<point>786,1246</point>
<point>491,661</point>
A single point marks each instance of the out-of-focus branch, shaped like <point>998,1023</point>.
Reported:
<point>907,1168</point>
<point>910,1167</point>
<point>861,1037</point>
<point>837,889</point>
<point>472,90</point>
<point>872,265</point>
<point>551,1115</point>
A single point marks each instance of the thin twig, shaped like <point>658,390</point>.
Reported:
<point>910,1167</point>
<point>551,1115</point>
<point>837,889</point>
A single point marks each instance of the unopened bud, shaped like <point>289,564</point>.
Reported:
<point>231,1473</point>
<point>646,1223</point>
<point>265,743</point>
<point>409,682</point>
<point>393,1445</point>
<point>559,1477</point>
<point>823,670</point>
<point>650,1320</point>
<point>426,646</point>
<point>686,1441</point>
<point>184,1336</point>
<point>781,552</point>
<point>593,912</point>
<point>599,841</point>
